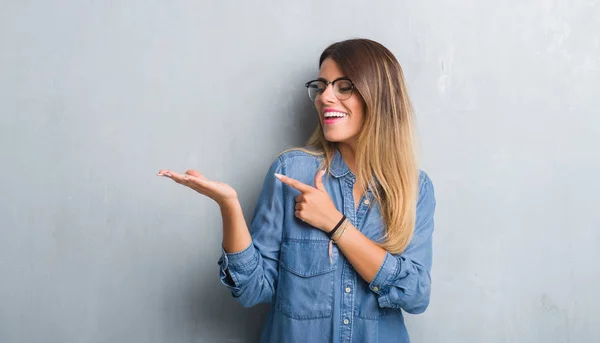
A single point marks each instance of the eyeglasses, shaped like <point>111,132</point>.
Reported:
<point>342,88</point>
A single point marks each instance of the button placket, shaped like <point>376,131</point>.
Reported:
<point>348,273</point>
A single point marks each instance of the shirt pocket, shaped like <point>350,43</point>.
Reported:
<point>306,276</point>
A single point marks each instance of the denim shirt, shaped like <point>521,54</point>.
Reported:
<point>288,265</point>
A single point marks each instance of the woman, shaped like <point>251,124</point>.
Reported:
<point>341,237</point>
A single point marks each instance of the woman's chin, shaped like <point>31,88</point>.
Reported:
<point>332,138</point>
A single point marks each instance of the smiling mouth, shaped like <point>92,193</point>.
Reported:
<point>331,117</point>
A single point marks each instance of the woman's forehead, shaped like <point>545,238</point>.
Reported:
<point>330,70</point>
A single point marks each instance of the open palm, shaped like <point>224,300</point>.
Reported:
<point>218,191</point>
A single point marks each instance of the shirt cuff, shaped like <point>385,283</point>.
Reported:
<point>234,263</point>
<point>382,282</point>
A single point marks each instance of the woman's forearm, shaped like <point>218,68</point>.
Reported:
<point>364,255</point>
<point>236,236</point>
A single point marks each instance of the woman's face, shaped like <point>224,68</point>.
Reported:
<point>341,119</point>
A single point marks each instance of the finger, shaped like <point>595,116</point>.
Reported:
<point>183,179</point>
<point>163,172</point>
<point>298,206</point>
<point>175,176</point>
<point>195,173</point>
<point>299,198</point>
<point>294,183</point>
<point>319,180</point>
<point>197,183</point>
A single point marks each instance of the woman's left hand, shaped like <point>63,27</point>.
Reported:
<point>314,206</point>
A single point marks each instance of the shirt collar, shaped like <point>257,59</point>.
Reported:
<point>338,167</point>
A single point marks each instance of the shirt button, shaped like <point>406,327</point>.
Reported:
<point>376,289</point>
<point>346,321</point>
<point>366,202</point>
<point>348,290</point>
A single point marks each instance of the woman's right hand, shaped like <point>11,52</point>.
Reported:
<point>220,192</point>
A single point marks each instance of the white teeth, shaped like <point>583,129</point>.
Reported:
<point>335,114</point>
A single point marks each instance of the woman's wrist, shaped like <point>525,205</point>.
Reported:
<point>228,204</point>
<point>341,231</point>
<point>333,221</point>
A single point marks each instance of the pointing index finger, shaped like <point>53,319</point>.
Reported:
<point>294,183</point>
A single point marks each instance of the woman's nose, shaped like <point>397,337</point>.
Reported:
<point>328,95</point>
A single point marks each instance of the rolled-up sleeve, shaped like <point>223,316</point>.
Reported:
<point>251,275</point>
<point>404,281</point>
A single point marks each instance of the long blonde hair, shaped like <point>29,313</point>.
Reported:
<point>385,146</point>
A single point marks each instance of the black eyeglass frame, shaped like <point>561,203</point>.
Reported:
<point>327,83</point>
